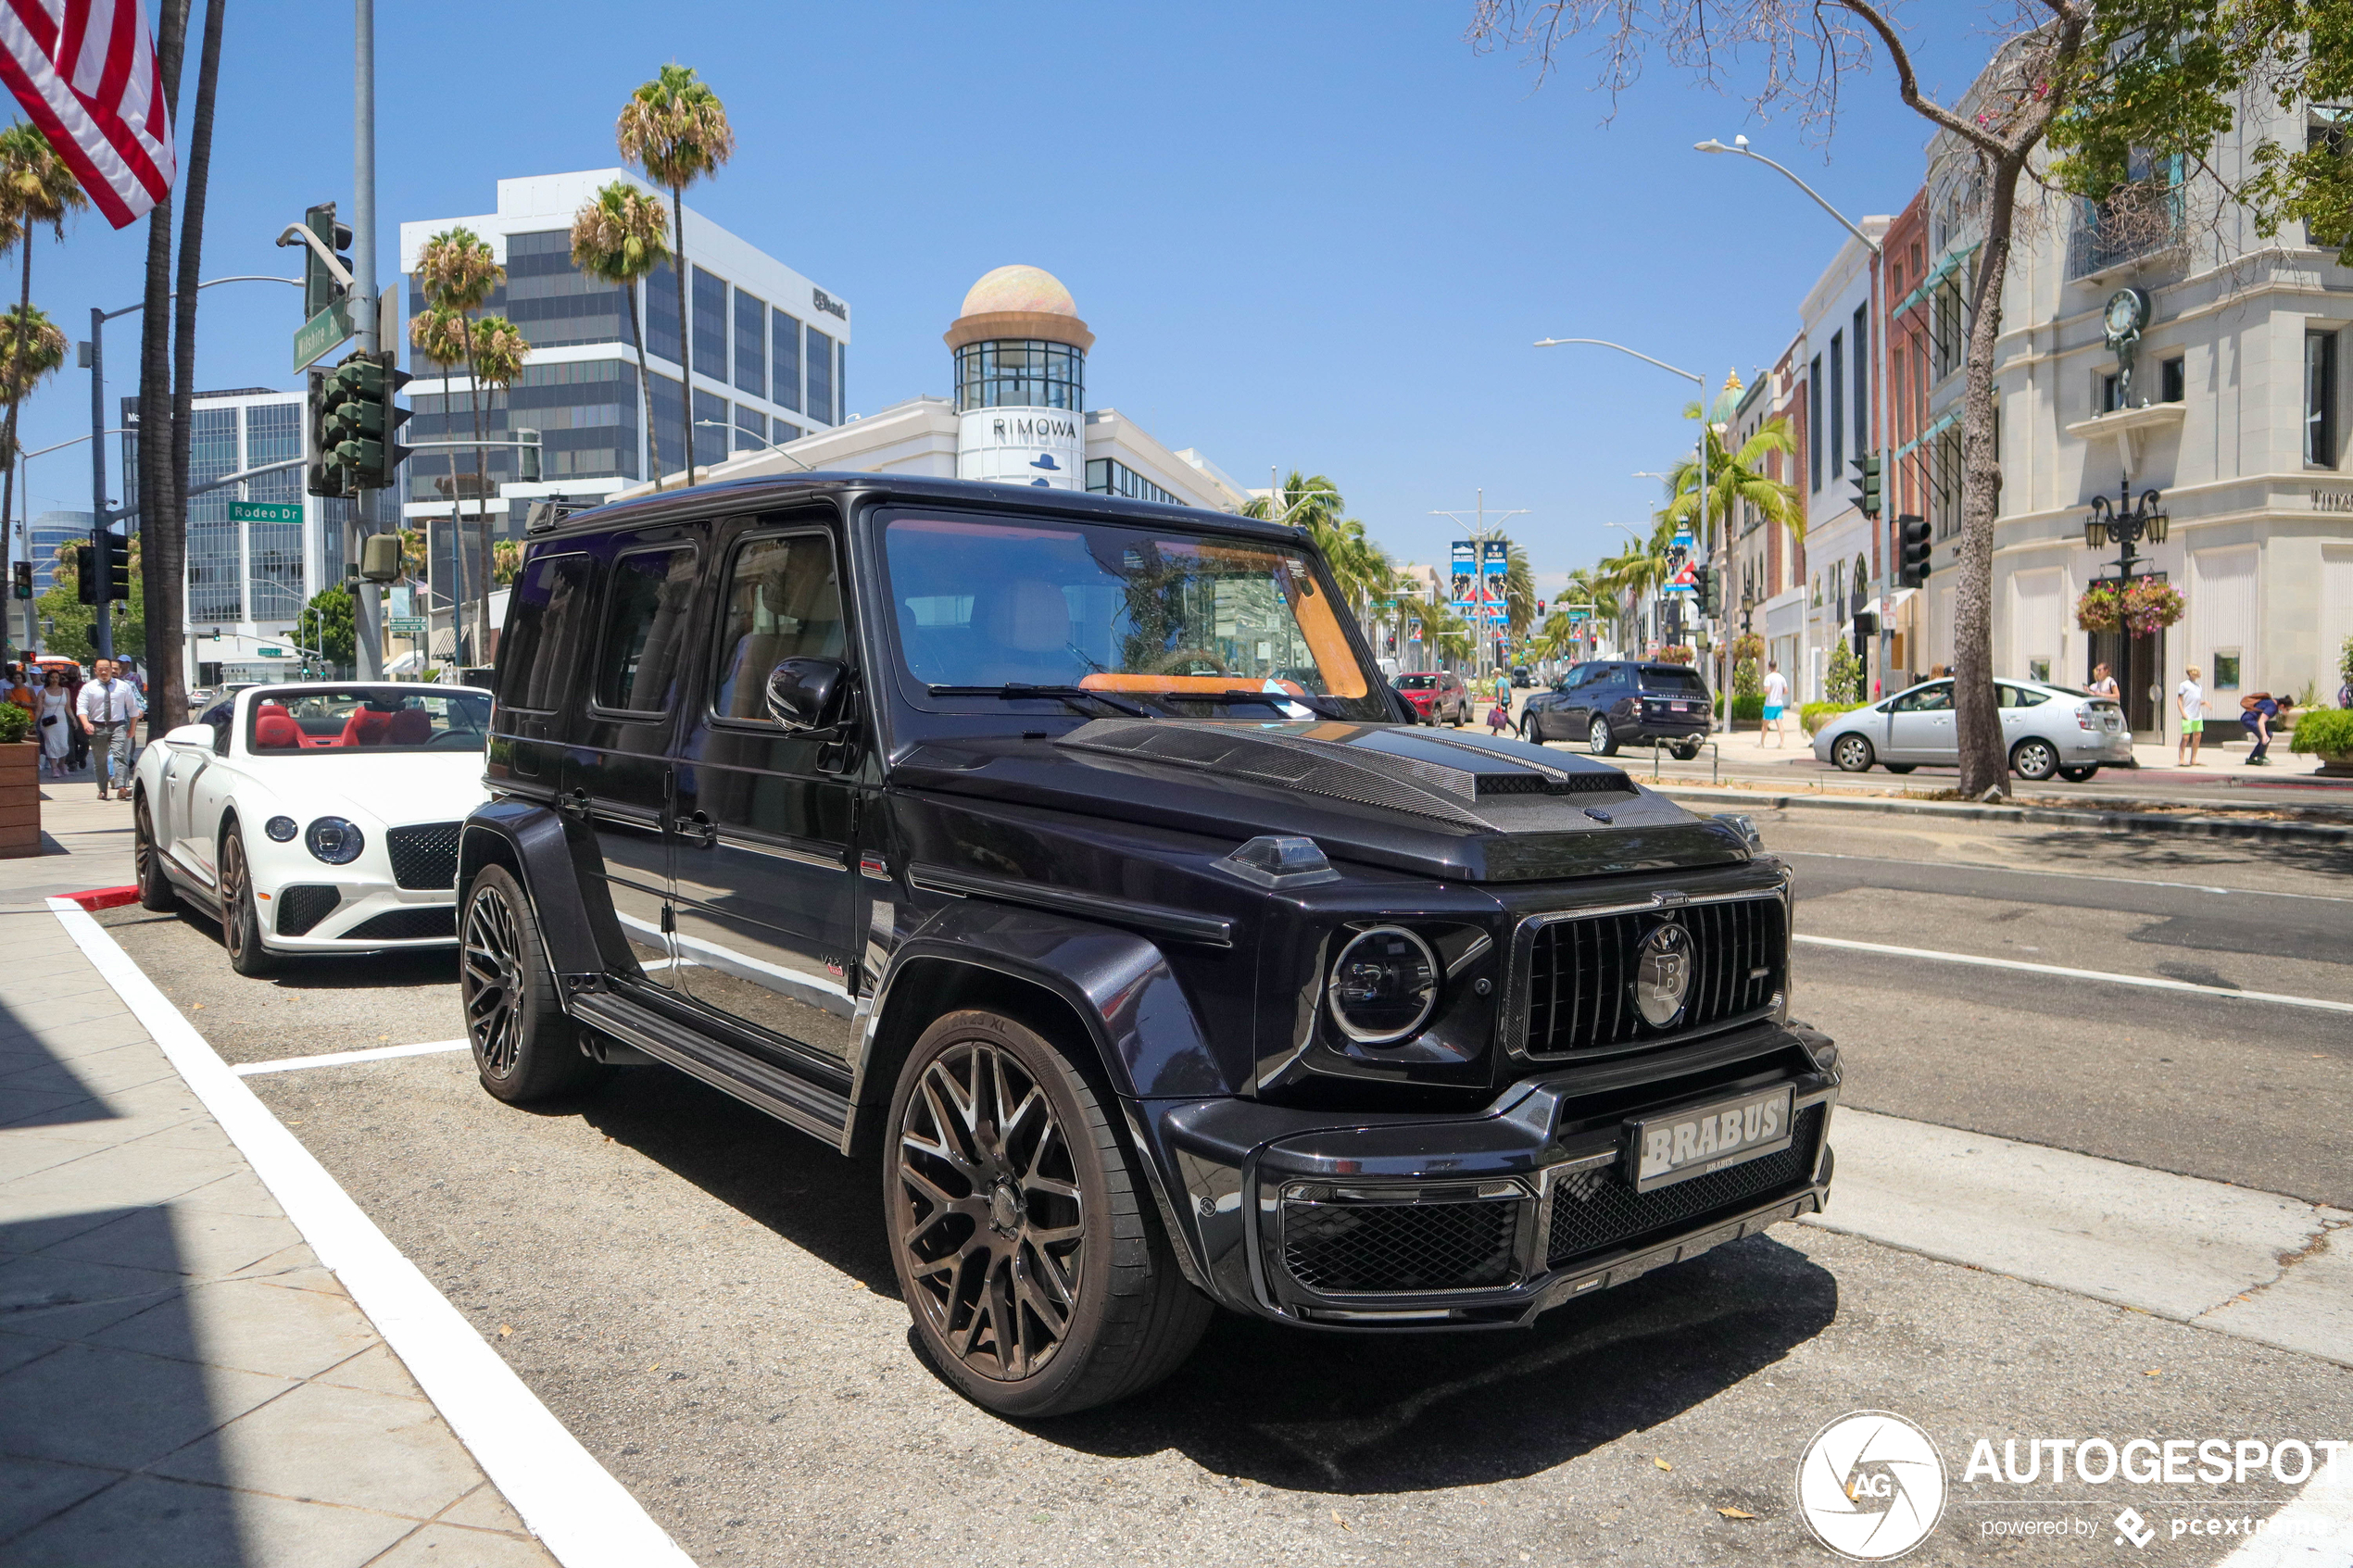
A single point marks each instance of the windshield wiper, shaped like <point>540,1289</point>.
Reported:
<point>1315,705</point>
<point>1069,695</point>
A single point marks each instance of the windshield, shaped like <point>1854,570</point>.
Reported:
<point>1416,683</point>
<point>404,718</point>
<point>1100,608</point>
<point>1672,681</point>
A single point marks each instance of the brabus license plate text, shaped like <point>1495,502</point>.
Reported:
<point>1677,1144</point>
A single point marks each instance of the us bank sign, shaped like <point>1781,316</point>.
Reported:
<point>1036,446</point>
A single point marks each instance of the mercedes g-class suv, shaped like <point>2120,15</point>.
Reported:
<point>1069,857</point>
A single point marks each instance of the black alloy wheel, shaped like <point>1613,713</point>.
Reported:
<point>1038,1278</point>
<point>146,860</point>
<point>526,1048</point>
<point>2034,759</point>
<point>1600,739</point>
<point>240,917</point>
<point>1852,753</point>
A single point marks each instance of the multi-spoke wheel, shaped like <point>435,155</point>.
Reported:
<point>146,860</point>
<point>2034,759</point>
<point>240,917</point>
<point>524,1048</point>
<point>1600,739</point>
<point>1039,1280</point>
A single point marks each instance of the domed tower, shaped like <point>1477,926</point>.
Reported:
<point>1021,382</point>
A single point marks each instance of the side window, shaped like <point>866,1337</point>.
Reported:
<point>784,601</point>
<point>2019,696</point>
<point>1928,700</point>
<point>545,628</point>
<point>647,608</point>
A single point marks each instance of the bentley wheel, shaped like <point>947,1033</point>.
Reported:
<point>1037,1276</point>
<point>146,860</point>
<point>1852,753</point>
<point>240,917</point>
<point>1601,740</point>
<point>524,1047</point>
<point>2034,759</point>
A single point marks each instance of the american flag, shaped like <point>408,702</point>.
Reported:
<point>85,73</point>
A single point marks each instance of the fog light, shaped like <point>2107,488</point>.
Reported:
<point>336,841</point>
<point>1384,985</point>
<point>280,828</point>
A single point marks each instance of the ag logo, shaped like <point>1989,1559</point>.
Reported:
<point>1663,974</point>
<point>1871,1486</point>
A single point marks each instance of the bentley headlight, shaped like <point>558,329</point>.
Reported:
<point>335,840</point>
<point>1384,985</point>
<point>281,828</point>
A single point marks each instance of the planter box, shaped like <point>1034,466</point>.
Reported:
<point>20,800</point>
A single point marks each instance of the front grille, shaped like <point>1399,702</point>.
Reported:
<point>1580,972</point>
<point>425,854</point>
<point>299,908</point>
<point>406,925</point>
<point>1592,1209</point>
<point>1360,1248</point>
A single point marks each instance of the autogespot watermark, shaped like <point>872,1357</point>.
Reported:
<point>1872,1486</point>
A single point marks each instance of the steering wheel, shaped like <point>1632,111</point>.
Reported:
<point>1180,661</point>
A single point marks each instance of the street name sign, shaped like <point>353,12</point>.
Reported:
<point>265,511</point>
<point>404,626</point>
<point>319,336</point>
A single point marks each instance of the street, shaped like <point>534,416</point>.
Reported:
<point>702,1296</point>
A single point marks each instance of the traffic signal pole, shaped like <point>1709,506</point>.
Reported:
<point>366,606</point>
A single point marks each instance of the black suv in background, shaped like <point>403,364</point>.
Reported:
<point>993,834</point>
<point>1610,703</point>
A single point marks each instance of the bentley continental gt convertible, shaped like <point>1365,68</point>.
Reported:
<point>314,818</point>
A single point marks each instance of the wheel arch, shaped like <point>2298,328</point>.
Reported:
<point>530,840</point>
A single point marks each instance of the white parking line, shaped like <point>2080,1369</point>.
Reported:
<point>2152,982</point>
<point>2066,876</point>
<point>584,1516</point>
<point>337,1058</point>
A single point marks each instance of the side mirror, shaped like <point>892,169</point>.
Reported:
<point>806,693</point>
<point>190,735</point>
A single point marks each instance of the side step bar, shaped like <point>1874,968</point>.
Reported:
<point>817,1110</point>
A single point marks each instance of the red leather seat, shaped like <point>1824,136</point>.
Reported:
<point>276,732</point>
<point>365,727</point>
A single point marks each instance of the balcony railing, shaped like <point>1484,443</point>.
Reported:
<point>2136,221</point>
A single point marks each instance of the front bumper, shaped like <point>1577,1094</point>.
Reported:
<point>1480,1220</point>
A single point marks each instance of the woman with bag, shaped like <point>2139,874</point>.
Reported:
<point>1499,718</point>
<point>54,718</point>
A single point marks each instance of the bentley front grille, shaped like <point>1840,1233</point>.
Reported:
<point>1581,973</point>
<point>424,855</point>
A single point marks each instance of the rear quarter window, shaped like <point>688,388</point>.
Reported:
<point>1666,679</point>
<point>547,633</point>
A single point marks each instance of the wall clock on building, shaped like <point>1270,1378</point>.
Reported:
<point>2127,313</point>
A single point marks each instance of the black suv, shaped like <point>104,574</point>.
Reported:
<point>1610,703</point>
<point>990,832</point>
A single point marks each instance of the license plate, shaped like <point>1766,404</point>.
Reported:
<point>1667,1147</point>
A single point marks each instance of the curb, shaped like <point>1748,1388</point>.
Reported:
<point>2116,822</point>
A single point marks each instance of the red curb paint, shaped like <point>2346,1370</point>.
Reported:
<point>97,898</point>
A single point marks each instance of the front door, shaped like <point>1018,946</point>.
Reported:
<point>1920,725</point>
<point>766,861</point>
<point>615,782</point>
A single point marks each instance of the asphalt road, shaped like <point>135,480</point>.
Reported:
<point>703,1295</point>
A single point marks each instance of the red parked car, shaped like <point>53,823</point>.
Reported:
<point>1438,697</point>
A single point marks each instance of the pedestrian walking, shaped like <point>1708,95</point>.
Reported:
<point>2258,711</point>
<point>20,693</point>
<point>2189,699</point>
<point>109,706</point>
<point>80,756</point>
<point>1776,699</point>
<point>54,718</point>
<point>1499,717</point>
<point>2103,683</point>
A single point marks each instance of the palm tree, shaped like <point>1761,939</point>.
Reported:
<point>618,236</point>
<point>499,351</point>
<point>676,128</point>
<point>459,273</point>
<point>1734,477</point>
<point>1519,589</point>
<point>35,188</point>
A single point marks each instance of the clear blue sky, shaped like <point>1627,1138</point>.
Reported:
<point>1315,236</point>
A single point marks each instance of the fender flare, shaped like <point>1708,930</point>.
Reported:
<point>575,913</point>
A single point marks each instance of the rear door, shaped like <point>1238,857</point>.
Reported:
<point>614,780</point>
<point>765,860</point>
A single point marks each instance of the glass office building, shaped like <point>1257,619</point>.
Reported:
<point>50,532</point>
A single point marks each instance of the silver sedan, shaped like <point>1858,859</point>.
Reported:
<point>2047,731</point>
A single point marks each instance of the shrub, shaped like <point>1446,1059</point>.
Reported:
<point>15,724</point>
<point>1814,715</point>
<point>2324,730</point>
<point>1746,682</point>
<point>1845,677</point>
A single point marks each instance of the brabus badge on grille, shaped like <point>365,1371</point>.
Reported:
<point>1663,974</point>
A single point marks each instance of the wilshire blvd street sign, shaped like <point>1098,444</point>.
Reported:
<point>319,335</point>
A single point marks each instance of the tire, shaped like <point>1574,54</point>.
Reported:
<point>2034,760</point>
<point>1852,753</point>
<point>2079,776</point>
<point>526,1048</point>
<point>240,916</point>
<point>1899,767</point>
<point>155,887</point>
<point>1044,1227</point>
<point>1600,739</point>
<point>1529,729</point>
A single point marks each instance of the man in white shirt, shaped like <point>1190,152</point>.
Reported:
<point>1776,699</point>
<point>110,705</point>
<point>2190,697</point>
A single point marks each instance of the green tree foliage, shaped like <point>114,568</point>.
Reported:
<point>676,128</point>
<point>328,626</point>
<point>1845,677</point>
<point>617,235</point>
<point>68,623</point>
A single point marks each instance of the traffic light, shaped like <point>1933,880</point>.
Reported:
<point>1867,496</point>
<point>323,410</point>
<point>1913,572</point>
<point>115,582</point>
<point>1540,609</point>
<point>1866,629</point>
<point>1704,591</point>
<point>22,571</point>
<point>85,575</point>
<point>369,421</point>
<point>319,287</point>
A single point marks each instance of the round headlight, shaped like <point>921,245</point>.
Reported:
<point>1384,984</point>
<point>281,828</point>
<point>334,841</point>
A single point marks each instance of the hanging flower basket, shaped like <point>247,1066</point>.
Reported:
<point>2149,607</point>
<point>2099,609</point>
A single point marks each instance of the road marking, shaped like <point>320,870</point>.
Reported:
<point>584,1517</point>
<point>2066,876</point>
<point>337,1058</point>
<point>2153,983</point>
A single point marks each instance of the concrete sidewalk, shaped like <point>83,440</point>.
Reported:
<point>180,1382</point>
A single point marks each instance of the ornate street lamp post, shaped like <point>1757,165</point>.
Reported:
<point>2125,522</point>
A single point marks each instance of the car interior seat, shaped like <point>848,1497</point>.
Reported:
<point>275,731</point>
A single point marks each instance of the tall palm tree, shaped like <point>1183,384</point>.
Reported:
<point>1734,477</point>
<point>35,188</point>
<point>459,272</point>
<point>1520,591</point>
<point>499,351</point>
<point>676,128</point>
<point>617,235</point>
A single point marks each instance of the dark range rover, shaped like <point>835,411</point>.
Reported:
<point>1070,855</point>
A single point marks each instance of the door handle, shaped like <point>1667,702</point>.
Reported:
<point>700,828</point>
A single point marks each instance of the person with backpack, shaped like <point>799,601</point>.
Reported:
<point>2256,712</point>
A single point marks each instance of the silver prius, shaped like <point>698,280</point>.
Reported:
<point>2046,730</point>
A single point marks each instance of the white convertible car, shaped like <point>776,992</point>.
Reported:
<point>314,818</point>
